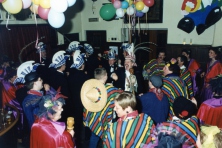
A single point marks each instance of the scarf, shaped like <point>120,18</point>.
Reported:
<point>158,92</point>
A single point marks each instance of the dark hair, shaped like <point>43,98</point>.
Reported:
<point>217,52</point>
<point>216,85</point>
<point>162,51</point>
<point>10,73</point>
<point>99,73</point>
<point>183,59</point>
<point>174,68</point>
<point>29,85</point>
<point>187,51</point>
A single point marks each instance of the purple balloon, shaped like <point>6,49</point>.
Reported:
<point>139,14</point>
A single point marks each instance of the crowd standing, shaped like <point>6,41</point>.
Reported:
<point>107,100</point>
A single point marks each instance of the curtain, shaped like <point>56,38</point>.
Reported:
<point>12,41</point>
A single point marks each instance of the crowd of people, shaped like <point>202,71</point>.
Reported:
<point>108,102</point>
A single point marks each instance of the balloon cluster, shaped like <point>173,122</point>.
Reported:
<point>51,10</point>
<point>120,7</point>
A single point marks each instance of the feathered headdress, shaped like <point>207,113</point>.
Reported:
<point>78,60</point>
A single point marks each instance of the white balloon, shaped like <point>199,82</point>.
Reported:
<point>56,19</point>
<point>26,3</point>
<point>145,9</point>
<point>59,5</point>
<point>130,10</point>
<point>71,2</point>
<point>120,12</point>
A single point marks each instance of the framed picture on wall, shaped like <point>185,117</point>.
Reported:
<point>154,15</point>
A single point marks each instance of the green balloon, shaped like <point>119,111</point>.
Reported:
<point>107,12</point>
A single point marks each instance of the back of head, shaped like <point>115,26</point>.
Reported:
<point>30,79</point>
<point>156,81</point>
<point>99,73</point>
<point>173,66</point>
<point>126,99</point>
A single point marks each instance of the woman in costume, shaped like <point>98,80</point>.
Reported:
<point>210,110</point>
<point>131,129</point>
<point>214,68</point>
<point>46,131</point>
<point>193,67</point>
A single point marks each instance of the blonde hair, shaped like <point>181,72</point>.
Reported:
<point>126,99</point>
<point>217,138</point>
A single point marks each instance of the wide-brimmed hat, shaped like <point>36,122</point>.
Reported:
<point>59,59</point>
<point>88,48</point>
<point>93,95</point>
<point>73,46</point>
<point>40,47</point>
<point>78,60</point>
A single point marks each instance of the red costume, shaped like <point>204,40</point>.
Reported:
<point>213,71</point>
<point>49,134</point>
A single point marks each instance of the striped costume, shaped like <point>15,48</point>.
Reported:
<point>185,75</point>
<point>129,133</point>
<point>173,87</point>
<point>185,131</point>
<point>97,121</point>
<point>154,67</point>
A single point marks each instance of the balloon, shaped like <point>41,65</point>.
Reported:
<point>117,4</point>
<point>43,13</point>
<point>12,6</point>
<point>148,3</point>
<point>113,1</point>
<point>130,2</point>
<point>59,5</point>
<point>2,1</point>
<point>130,11</point>
<point>139,14</point>
<point>56,19</point>
<point>36,2</point>
<point>71,2</point>
<point>34,8</point>
<point>139,5</point>
<point>26,3</point>
<point>145,9</point>
<point>107,12</point>
<point>125,4</point>
<point>45,4</point>
<point>120,12</point>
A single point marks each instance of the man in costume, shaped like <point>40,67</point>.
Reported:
<point>46,131</point>
<point>98,113</point>
<point>76,79</point>
<point>155,66</point>
<point>155,103</point>
<point>111,67</point>
<point>173,85</point>
<point>185,74</point>
<point>122,76</point>
<point>131,129</point>
<point>91,60</point>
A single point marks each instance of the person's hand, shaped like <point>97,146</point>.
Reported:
<point>202,74</point>
<point>140,94</point>
<point>46,87</point>
<point>148,70</point>
<point>114,76</point>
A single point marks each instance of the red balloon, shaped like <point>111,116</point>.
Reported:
<point>114,1</point>
<point>43,13</point>
<point>148,3</point>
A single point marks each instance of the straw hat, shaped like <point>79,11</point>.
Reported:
<point>93,95</point>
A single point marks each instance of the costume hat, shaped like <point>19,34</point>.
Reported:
<point>125,46</point>
<point>73,46</point>
<point>93,95</point>
<point>41,47</point>
<point>111,54</point>
<point>88,48</point>
<point>59,59</point>
<point>131,56</point>
<point>24,69</point>
<point>78,60</point>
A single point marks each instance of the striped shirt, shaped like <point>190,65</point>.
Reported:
<point>154,67</point>
<point>97,121</point>
<point>185,75</point>
<point>131,133</point>
<point>173,87</point>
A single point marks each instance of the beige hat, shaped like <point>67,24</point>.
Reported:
<point>93,95</point>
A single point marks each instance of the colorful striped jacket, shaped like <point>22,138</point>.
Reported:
<point>173,87</point>
<point>185,75</point>
<point>129,133</point>
<point>155,68</point>
<point>97,121</point>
